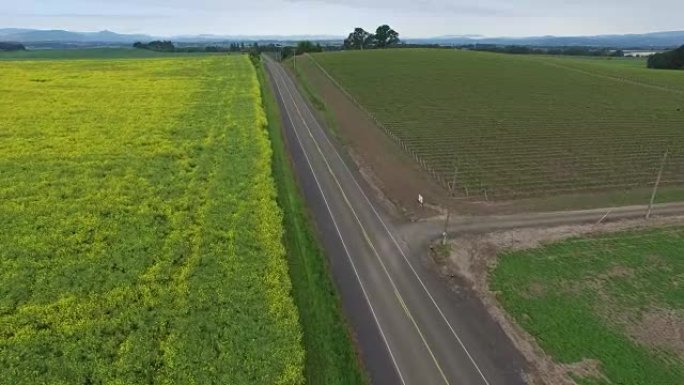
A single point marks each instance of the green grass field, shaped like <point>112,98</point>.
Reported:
<point>626,69</point>
<point>141,238</point>
<point>523,126</point>
<point>330,355</point>
<point>618,299</point>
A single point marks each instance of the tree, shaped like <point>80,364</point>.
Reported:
<point>618,53</point>
<point>156,45</point>
<point>307,46</point>
<point>385,36</point>
<point>668,60</point>
<point>358,39</point>
<point>4,46</point>
<point>255,54</point>
<point>370,42</point>
<point>287,52</point>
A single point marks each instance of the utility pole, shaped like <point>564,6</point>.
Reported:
<point>448,214</point>
<point>657,183</point>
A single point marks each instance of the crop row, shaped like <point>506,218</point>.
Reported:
<point>517,127</point>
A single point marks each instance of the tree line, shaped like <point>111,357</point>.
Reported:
<point>531,50</point>
<point>383,37</point>
<point>11,46</point>
<point>157,45</point>
<point>668,60</point>
<point>168,46</point>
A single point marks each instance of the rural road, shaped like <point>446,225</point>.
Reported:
<point>411,328</point>
<point>429,230</point>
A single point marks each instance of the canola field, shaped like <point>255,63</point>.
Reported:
<point>522,126</point>
<point>141,239</point>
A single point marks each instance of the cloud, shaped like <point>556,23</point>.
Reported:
<point>414,18</point>
<point>93,16</point>
<point>420,6</point>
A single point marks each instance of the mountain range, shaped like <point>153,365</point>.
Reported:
<point>37,38</point>
<point>645,40</point>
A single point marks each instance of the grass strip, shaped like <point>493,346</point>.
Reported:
<point>304,85</point>
<point>330,355</point>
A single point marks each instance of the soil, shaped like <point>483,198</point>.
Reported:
<point>618,272</point>
<point>660,328</point>
<point>587,368</point>
<point>474,256</point>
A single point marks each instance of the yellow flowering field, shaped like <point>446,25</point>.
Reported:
<point>141,239</point>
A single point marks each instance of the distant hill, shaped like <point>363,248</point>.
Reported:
<point>646,40</point>
<point>61,36</point>
<point>21,35</point>
<point>33,37</point>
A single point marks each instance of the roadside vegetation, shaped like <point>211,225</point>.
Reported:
<point>330,356</point>
<point>142,240</point>
<point>609,306</point>
<point>311,94</point>
<point>512,127</point>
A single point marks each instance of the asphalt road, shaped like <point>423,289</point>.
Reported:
<point>411,328</point>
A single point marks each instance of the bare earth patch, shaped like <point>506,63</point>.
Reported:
<point>535,290</point>
<point>660,328</point>
<point>618,272</point>
<point>587,368</point>
<point>474,256</point>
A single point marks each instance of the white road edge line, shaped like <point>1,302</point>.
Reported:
<point>370,243</point>
<point>400,250</point>
<point>344,245</point>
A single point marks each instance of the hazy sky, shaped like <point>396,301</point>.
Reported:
<point>412,18</point>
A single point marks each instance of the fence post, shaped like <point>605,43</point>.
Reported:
<point>657,183</point>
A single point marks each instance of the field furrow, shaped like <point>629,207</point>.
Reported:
<point>522,126</point>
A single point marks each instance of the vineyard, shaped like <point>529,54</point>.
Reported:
<point>505,126</point>
<point>141,237</point>
<point>615,300</point>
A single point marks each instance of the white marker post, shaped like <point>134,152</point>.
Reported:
<point>420,200</point>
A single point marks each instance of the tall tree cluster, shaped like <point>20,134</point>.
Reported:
<point>156,45</point>
<point>668,60</point>
<point>383,37</point>
<point>308,46</point>
<point>11,46</point>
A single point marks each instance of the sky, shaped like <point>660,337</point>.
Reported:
<point>411,18</point>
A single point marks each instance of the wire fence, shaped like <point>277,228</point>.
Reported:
<point>421,162</point>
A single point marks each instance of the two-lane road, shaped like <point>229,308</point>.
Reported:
<point>411,328</point>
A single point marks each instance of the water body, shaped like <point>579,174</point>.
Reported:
<point>640,53</point>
